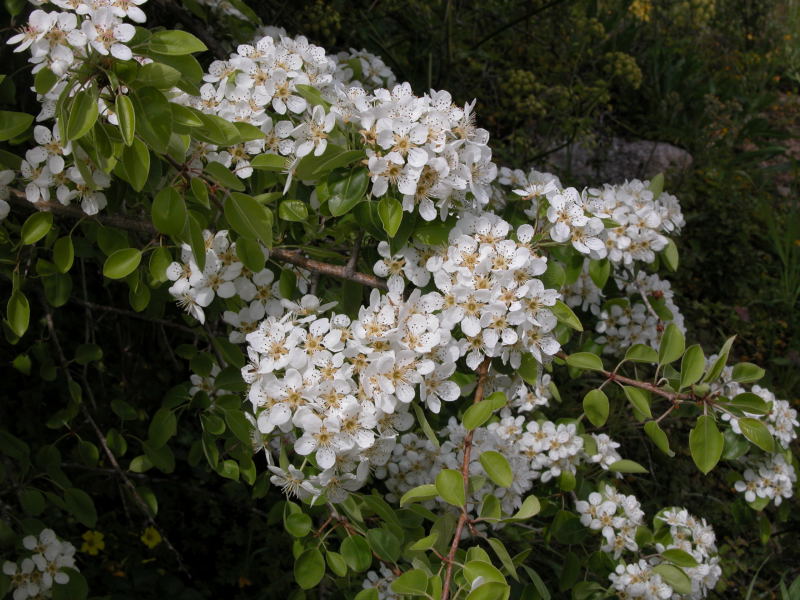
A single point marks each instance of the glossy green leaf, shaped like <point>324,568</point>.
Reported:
<point>347,190</point>
<point>384,543</point>
<point>421,493</point>
<point>756,431</point>
<point>158,75</point>
<point>585,360</point>
<point>18,313</point>
<point>336,563</point>
<point>746,372</point>
<point>249,218</point>
<point>641,353</point>
<point>82,114</point>
<point>477,414</point>
<point>309,568</point>
<point>390,212</point>
<point>63,254</point>
<point>43,82</point>
<point>706,443</point>
<point>722,359</point>
<point>450,485</point>
<point>497,468</point>
<point>122,263</point>
<point>530,508</point>
<point>175,42</point>
<point>269,162</point>
<point>293,210</point>
<point>565,315</point>
<point>412,583</point>
<point>674,577</point>
<point>626,466</point>
<point>599,271</point>
<point>169,212</point>
<point>639,400</point>
<point>692,366</point>
<point>13,123</point>
<point>749,403</point>
<point>126,115</point>
<point>672,345</point>
<point>655,433</point>
<point>36,227</point>
<point>595,405</point>
<point>680,558</point>
<point>221,174</point>
<point>163,426</point>
<point>136,162</point>
<point>298,524</point>
<point>356,552</point>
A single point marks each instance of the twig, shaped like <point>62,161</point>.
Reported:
<point>102,440</point>
<point>483,370</point>
<point>294,257</point>
<point>133,315</point>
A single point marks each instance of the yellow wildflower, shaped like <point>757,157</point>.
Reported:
<point>92,542</point>
<point>151,538</point>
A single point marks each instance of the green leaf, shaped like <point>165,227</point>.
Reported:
<point>719,364</point>
<point>347,190</point>
<point>599,271</point>
<point>157,75</point>
<point>670,256</point>
<point>641,353</point>
<point>384,543</point>
<point>585,360</point>
<point>122,263</point>
<point>656,185</point>
<point>32,501</point>
<point>126,115</point>
<point>136,162</point>
<point>674,577</point>
<point>368,594</point>
<point>153,118</point>
<point>43,82</point>
<point>413,583</point>
<point>421,493</point>
<point>450,485</point>
<point>655,433</point>
<point>692,366</point>
<point>80,504</point>
<point>269,162</point>
<point>497,468</point>
<point>36,227</point>
<point>298,524</point>
<point>595,405</point>
<point>193,233</point>
<point>477,414</point>
<point>175,42</point>
<point>63,254</point>
<point>309,568</point>
<point>82,114</point>
<point>680,558</point>
<point>88,353</point>
<point>626,466</point>
<point>169,212</point>
<point>749,402</point>
<point>248,218</point>
<point>163,426</point>
<point>343,159</point>
<point>356,552</point>
<point>480,568</point>
<point>239,425</point>
<point>425,543</point>
<point>311,94</point>
<point>504,556</point>
<point>424,425</point>
<point>293,210</point>
<point>746,372</point>
<point>391,213</point>
<point>639,401</point>
<point>13,123</point>
<point>336,563</point>
<point>757,432</point>
<point>160,259</point>
<point>672,345</point>
<point>221,174</point>
<point>706,444</point>
<point>564,314</point>
<point>18,313</point>
<point>228,468</point>
<point>530,508</point>
<point>491,590</point>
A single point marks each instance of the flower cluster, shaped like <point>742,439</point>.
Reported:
<point>35,575</point>
<point>628,321</point>
<point>615,515</point>
<point>770,478</point>
<point>535,450</point>
<point>62,41</point>
<point>641,579</point>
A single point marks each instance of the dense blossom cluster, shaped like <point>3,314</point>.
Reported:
<point>35,575</point>
<point>62,41</point>
<point>536,450</point>
<point>640,579</point>
<point>771,478</point>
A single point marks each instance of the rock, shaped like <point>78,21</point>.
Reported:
<point>614,160</point>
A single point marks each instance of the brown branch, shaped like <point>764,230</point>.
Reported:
<point>102,440</point>
<point>294,257</point>
<point>482,372</point>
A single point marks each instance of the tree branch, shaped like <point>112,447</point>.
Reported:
<point>482,372</point>
<point>294,257</point>
<point>102,440</point>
